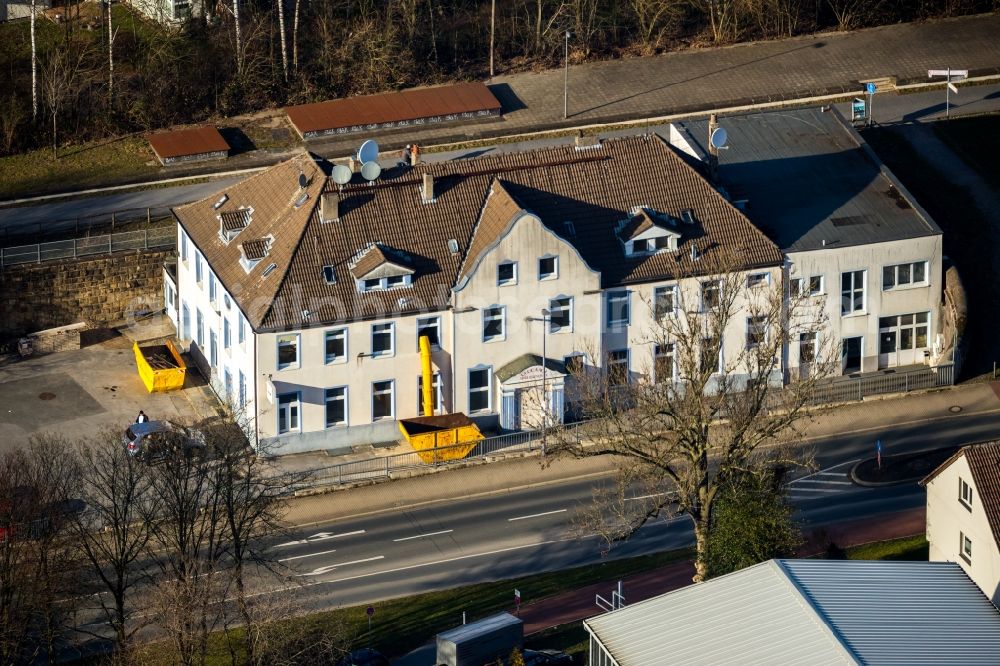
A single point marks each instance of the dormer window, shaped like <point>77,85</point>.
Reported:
<point>232,222</point>
<point>377,268</point>
<point>648,232</point>
<point>252,252</point>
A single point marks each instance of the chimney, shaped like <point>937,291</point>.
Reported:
<point>329,207</point>
<point>428,192</point>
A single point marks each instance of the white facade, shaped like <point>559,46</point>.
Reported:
<point>958,529</point>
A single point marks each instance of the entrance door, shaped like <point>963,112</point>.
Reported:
<point>510,411</point>
<point>887,349</point>
<point>851,355</point>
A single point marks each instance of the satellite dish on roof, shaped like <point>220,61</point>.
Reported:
<point>368,151</point>
<point>341,174</point>
<point>370,170</point>
<point>719,137</point>
<point>303,181</point>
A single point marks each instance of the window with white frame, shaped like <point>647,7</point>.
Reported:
<point>437,395</point>
<point>548,268</point>
<point>480,380</point>
<point>394,281</point>
<point>227,384</point>
<point>382,339</point>
<point>242,389</point>
<point>390,282</point>
<point>965,493</point>
<point>335,346</point>
<point>758,280</point>
<point>211,286</point>
<point>288,351</point>
<point>336,406</point>
<point>664,366</point>
<point>227,334</point>
<point>199,329</point>
<point>807,348</point>
<point>710,359</point>
<point>431,327</point>
<point>185,321</point>
<point>184,246</point>
<point>241,333</point>
<point>904,275</point>
<point>506,273</point>
<point>756,331</point>
<point>903,332</point>
<point>711,294</point>
<point>329,275</point>
<point>852,292</point>
<point>288,413</point>
<point>383,399</point>
<point>618,309</point>
<point>560,314</point>
<point>816,286</point>
<point>965,547</point>
<point>664,301</point>
<point>493,323</point>
<point>796,287</point>
<point>213,348</point>
<point>618,367</point>
<point>198,268</point>
<point>574,363</point>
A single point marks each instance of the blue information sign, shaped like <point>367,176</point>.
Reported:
<point>870,88</point>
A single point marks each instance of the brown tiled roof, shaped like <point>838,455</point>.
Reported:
<point>272,194</point>
<point>188,141</point>
<point>494,220</point>
<point>234,220</point>
<point>373,258</point>
<point>984,462</point>
<point>255,249</point>
<point>412,104</point>
<point>475,199</point>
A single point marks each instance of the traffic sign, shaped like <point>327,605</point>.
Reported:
<point>953,73</point>
<point>370,611</point>
<point>870,88</point>
<point>952,87</point>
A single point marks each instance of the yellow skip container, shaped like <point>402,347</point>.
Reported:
<point>161,367</point>
<point>442,437</point>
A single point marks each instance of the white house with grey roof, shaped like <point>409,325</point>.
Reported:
<point>856,243</point>
<point>809,612</point>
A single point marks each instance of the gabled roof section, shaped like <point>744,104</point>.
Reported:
<point>984,463</point>
<point>272,194</point>
<point>640,223</point>
<point>811,612</point>
<point>495,219</point>
<point>378,261</point>
<point>256,249</point>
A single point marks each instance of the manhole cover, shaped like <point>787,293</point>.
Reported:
<point>46,396</point>
<point>954,409</point>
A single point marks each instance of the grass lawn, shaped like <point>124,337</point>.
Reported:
<point>76,167</point>
<point>914,548</point>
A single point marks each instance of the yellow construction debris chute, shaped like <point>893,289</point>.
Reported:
<point>437,437</point>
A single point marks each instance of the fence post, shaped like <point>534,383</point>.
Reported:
<point>111,240</point>
<point>145,238</point>
<point>148,218</point>
<point>74,248</point>
<point>906,383</point>
<point>387,466</point>
<point>861,394</point>
<point>340,475</point>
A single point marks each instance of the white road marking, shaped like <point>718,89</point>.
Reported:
<point>421,536</point>
<point>813,490</point>
<point>323,570</point>
<point>642,497</point>
<point>536,515</point>
<point>300,557</point>
<point>822,481</point>
<point>322,536</point>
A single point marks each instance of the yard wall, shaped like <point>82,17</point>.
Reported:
<point>98,291</point>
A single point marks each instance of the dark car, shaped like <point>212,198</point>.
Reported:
<point>364,657</point>
<point>24,514</point>
<point>155,440</point>
<point>545,658</point>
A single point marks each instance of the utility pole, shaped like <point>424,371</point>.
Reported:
<point>493,23</point>
<point>566,80</point>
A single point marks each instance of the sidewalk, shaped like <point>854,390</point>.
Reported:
<point>579,604</point>
<point>694,80</point>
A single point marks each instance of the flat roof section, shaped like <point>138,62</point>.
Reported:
<point>807,180</point>
<point>187,142</point>
<point>390,109</point>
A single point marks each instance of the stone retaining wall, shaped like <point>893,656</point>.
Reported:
<point>99,291</point>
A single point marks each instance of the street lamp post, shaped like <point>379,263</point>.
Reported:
<point>566,79</point>
<point>545,319</point>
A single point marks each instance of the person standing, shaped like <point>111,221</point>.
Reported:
<point>142,418</point>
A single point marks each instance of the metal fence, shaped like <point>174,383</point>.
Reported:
<point>82,247</point>
<point>17,230</point>
<point>371,469</point>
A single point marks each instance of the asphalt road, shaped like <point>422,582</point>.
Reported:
<point>63,213</point>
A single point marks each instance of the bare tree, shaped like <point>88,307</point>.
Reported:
<point>711,406</point>
<point>852,13</point>
<point>284,47</point>
<point>34,62</point>
<point>115,532</point>
<point>61,77</point>
<point>239,43</point>
<point>12,114</point>
<point>653,15</point>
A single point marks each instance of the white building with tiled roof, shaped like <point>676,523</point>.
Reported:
<point>304,304</point>
<point>963,514</point>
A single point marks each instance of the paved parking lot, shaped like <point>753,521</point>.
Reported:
<point>78,393</point>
